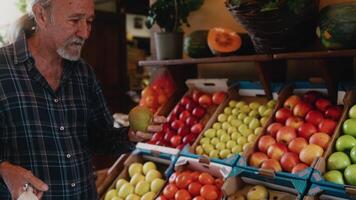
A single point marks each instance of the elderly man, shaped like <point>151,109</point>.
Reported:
<point>52,109</point>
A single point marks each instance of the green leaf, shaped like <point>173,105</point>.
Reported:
<point>272,5</point>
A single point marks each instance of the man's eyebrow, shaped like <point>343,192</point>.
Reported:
<point>81,15</point>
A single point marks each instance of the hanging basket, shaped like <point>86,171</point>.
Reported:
<point>279,30</point>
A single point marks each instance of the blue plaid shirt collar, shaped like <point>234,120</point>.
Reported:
<point>21,51</point>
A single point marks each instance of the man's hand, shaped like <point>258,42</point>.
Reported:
<point>156,126</point>
<point>16,177</point>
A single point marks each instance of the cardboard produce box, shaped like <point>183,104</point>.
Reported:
<point>323,189</point>
<point>296,181</point>
<point>243,91</point>
<point>163,161</point>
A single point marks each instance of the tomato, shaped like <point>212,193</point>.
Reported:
<point>209,192</point>
<point>205,100</point>
<point>170,190</point>
<point>183,180</point>
<point>218,97</point>
<point>198,198</point>
<point>196,94</point>
<point>195,175</point>
<point>173,177</point>
<point>206,178</point>
<point>182,195</point>
<point>194,188</point>
<point>219,182</point>
<point>161,198</point>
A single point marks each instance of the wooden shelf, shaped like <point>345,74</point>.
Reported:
<point>315,54</point>
<point>189,61</point>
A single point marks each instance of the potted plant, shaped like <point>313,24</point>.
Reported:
<point>170,16</point>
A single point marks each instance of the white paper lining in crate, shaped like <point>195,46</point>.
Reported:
<point>203,165</point>
<point>156,148</point>
<point>208,85</point>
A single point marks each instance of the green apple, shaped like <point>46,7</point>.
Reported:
<point>242,128</point>
<point>241,140</point>
<point>148,166</point>
<point>247,120</point>
<point>230,118</point>
<point>257,192</point>
<point>225,138</point>
<point>135,168</point>
<point>214,141</point>
<point>352,112</point>
<point>254,105</point>
<point>217,125</point>
<point>152,174</point>
<point>271,103</point>
<point>255,123</point>
<point>345,142</point>
<point>228,110</point>
<point>221,132</point>
<point>199,150</point>
<point>118,198</point>
<point>222,117</point>
<point>207,148</point>
<point>111,194</point>
<point>120,183</point>
<point>132,197</point>
<point>157,185</point>
<point>220,146</point>
<point>338,161</point>
<point>253,113</point>
<point>353,155</point>
<point>142,187</point>
<point>245,109</point>
<point>263,121</point>
<point>214,154</point>
<point>267,112</point>
<point>251,138</point>
<point>247,132</point>
<point>224,153</point>
<point>334,176</point>
<point>204,141</point>
<point>148,196</point>
<point>230,144</point>
<point>349,175</point>
<point>231,130</point>
<point>210,133</point>
<point>258,131</point>
<point>225,125</point>
<point>235,111</point>
<point>235,135</point>
<point>262,109</point>
<point>232,103</point>
<point>139,118</point>
<point>349,127</point>
<point>125,190</point>
<point>137,178</point>
<point>239,104</point>
<point>236,123</point>
<point>236,149</point>
<point>241,116</point>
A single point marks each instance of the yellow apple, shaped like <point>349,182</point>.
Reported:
<point>119,183</point>
<point>137,178</point>
<point>153,174</point>
<point>125,190</point>
<point>148,166</point>
<point>157,184</point>
<point>110,194</point>
<point>135,168</point>
<point>148,196</point>
<point>142,188</point>
<point>133,197</point>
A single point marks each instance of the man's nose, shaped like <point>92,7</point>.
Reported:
<point>84,30</point>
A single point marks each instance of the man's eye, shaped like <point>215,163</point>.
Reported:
<point>74,20</point>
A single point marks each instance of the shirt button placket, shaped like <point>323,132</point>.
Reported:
<point>69,156</point>
<point>56,100</point>
<point>72,185</point>
<point>61,128</point>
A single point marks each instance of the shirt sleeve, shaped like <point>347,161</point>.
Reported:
<point>104,138</point>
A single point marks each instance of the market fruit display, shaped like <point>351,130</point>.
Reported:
<point>337,26</point>
<point>140,117</point>
<point>187,119</point>
<point>158,92</point>
<point>258,192</point>
<point>144,182</point>
<point>192,185</point>
<point>196,44</point>
<point>301,132</point>
<point>341,164</point>
<point>236,128</point>
<point>223,41</point>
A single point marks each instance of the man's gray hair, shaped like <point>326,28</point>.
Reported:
<point>27,22</point>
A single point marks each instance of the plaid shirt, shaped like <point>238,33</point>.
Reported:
<point>52,133</point>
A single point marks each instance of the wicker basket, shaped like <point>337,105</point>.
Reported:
<point>278,30</point>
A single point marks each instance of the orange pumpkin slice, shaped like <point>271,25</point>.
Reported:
<point>223,41</point>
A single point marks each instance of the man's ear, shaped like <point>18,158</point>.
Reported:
<point>42,16</point>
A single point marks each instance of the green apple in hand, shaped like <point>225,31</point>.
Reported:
<point>338,161</point>
<point>345,142</point>
<point>334,176</point>
<point>349,127</point>
<point>353,155</point>
<point>352,112</point>
<point>350,175</point>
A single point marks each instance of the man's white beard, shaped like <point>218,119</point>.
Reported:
<point>68,54</point>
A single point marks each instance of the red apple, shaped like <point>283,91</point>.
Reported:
<point>157,137</point>
<point>191,105</point>
<point>176,140</point>
<point>306,130</point>
<point>196,94</point>
<point>183,131</point>
<point>271,164</point>
<point>178,109</point>
<point>196,129</point>
<point>273,128</point>
<point>218,97</point>
<point>292,101</point>
<point>191,120</point>
<point>205,100</point>
<point>163,143</point>
<point>199,112</point>
<point>322,104</point>
<point>285,135</point>
<point>301,109</point>
<point>299,167</point>
<point>289,160</point>
<point>165,127</point>
<point>176,124</point>
<point>184,115</point>
<point>276,151</point>
<point>185,100</point>
<point>189,139</point>
<point>310,153</point>
<point>257,159</point>
<point>311,96</point>
<point>327,126</point>
<point>282,114</point>
<point>264,142</point>
<point>171,117</point>
<point>297,144</point>
<point>294,122</point>
<point>321,139</point>
<point>167,137</point>
<point>314,117</point>
<point>333,112</point>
